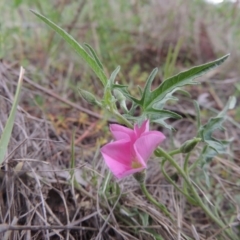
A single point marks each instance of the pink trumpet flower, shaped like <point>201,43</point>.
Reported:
<point>131,149</point>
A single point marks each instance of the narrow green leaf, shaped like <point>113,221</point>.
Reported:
<point>159,116</point>
<point>140,90</point>
<point>212,125</point>
<point>215,123</point>
<point>145,218</point>
<point>196,105</point>
<point>232,102</point>
<point>6,134</point>
<point>162,114</point>
<point>230,105</point>
<point>94,55</point>
<point>163,124</point>
<point>76,46</point>
<point>147,88</point>
<point>181,79</point>
<point>114,75</point>
<point>215,146</point>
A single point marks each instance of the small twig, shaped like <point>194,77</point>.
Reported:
<point>5,227</point>
<point>8,233</point>
<point>215,97</point>
<point>85,134</point>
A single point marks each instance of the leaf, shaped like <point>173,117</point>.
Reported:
<point>114,75</point>
<point>232,102</point>
<point>77,47</point>
<point>215,146</point>
<point>147,88</point>
<point>159,116</point>
<point>212,150</point>
<point>153,101</point>
<point>7,131</point>
<point>145,218</point>
<point>213,124</point>
<point>179,80</point>
<point>197,109</point>
<point>163,124</point>
<point>230,105</point>
<point>94,55</point>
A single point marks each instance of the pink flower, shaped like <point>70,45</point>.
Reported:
<point>131,150</point>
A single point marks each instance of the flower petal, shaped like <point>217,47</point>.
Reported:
<point>118,156</point>
<point>142,129</point>
<point>121,132</point>
<point>146,144</point>
<point>130,153</point>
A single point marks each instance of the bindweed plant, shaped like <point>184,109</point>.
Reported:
<point>135,142</point>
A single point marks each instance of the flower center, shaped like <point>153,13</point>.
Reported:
<point>136,164</point>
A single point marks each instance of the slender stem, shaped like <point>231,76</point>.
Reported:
<point>163,154</point>
<point>210,214</point>
<point>194,192</point>
<point>185,166</point>
<point>174,152</point>
<point>122,120</point>
<point>185,193</point>
<point>156,203</point>
<point>197,161</point>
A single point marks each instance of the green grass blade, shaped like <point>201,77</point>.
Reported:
<point>76,46</point>
<point>5,138</point>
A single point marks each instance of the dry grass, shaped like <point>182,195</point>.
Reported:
<point>43,195</point>
<point>41,200</point>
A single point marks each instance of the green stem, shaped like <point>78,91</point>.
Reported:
<point>163,154</point>
<point>209,213</point>
<point>174,152</point>
<point>156,203</point>
<point>194,192</point>
<point>185,165</point>
<point>122,120</point>
<point>185,193</point>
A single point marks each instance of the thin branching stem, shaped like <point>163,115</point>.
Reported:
<point>195,194</point>
<point>153,200</point>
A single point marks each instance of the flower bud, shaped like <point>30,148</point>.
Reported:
<point>121,98</point>
<point>189,145</point>
<point>89,97</point>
